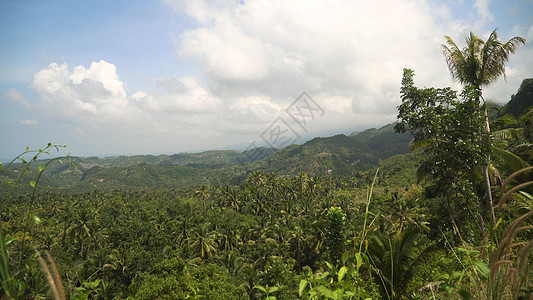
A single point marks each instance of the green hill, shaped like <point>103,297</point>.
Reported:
<point>337,155</point>
<point>522,100</point>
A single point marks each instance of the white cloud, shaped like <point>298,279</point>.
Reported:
<point>254,58</point>
<point>15,96</point>
<point>102,72</point>
<point>483,10</point>
<point>29,122</point>
<point>335,49</point>
<point>342,49</point>
<point>84,93</point>
<point>182,95</point>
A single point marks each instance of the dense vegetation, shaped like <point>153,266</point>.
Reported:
<point>344,217</point>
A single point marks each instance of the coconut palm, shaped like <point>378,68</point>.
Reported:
<point>478,64</point>
<point>394,260</point>
<point>204,243</point>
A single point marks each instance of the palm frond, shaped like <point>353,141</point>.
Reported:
<point>514,134</point>
<point>495,55</point>
<point>508,160</point>
<point>505,194</point>
<point>502,122</point>
<point>524,201</point>
<point>455,59</point>
<point>496,177</point>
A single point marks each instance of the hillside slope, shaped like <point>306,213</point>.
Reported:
<point>336,155</point>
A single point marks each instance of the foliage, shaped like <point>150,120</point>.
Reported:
<point>345,282</point>
<point>446,127</point>
<point>480,62</point>
<point>335,233</point>
<point>171,279</point>
<point>522,100</point>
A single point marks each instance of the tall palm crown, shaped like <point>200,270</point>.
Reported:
<point>479,62</point>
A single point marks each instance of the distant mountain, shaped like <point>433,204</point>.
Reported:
<point>522,100</point>
<point>337,155</point>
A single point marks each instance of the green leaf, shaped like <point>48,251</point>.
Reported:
<point>482,268</point>
<point>323,275</point>
<point>303,285</point>
<point>498,223</point>
<point>41,168</point>
<point>36,220</point>
<point>262,289</point>
<point>33,183</point>
<point>359,260</point>
<point>22,160</point>
<point>273,289</point>
<point>325,291</point>
<point>94,284</point>
<point>342,272</point>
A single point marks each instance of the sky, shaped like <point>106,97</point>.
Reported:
<point>153,77</point>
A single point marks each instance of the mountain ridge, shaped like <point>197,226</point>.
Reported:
<point>339,155</point>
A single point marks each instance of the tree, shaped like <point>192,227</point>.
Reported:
<point>204,243</point>
<point>448,129</point>
<point>478,64</point>
<point>336,225</point>
<point>394,259</point>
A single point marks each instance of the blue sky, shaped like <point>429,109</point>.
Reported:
<point>139,77</point>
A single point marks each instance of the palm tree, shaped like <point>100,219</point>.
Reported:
<point>204,243</point>
<point>394,260</point>
<point>478,64</point>
<point>203,194</point>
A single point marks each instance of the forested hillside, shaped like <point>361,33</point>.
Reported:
<point>339,155</point>
<point>522,100</point>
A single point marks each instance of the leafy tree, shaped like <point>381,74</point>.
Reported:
<point>478,64</point>
<point>448,129</point>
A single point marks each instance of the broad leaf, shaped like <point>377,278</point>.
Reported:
<point>342,272</point>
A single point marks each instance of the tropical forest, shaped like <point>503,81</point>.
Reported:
<point>437,205</point>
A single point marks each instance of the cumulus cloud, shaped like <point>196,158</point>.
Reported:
<point>349,50</point>
<point>182,95</point>
<point>338,51</point>
<point>95,97</point>
<point>255,58</point>
<point>86,93</point>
